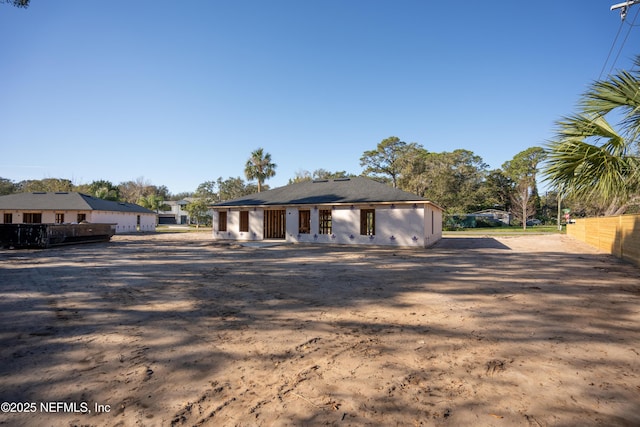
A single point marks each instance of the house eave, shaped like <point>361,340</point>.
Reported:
<point>341,204</point>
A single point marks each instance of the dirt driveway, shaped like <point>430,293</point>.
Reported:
<point>174,329</point>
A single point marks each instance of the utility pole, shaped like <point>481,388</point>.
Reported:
<point>624,7</point>
<point>559,218</point>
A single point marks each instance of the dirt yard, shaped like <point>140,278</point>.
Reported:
<point>176,330</point>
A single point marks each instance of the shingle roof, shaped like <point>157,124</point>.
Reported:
<point>345,190</point>
<point>65,201</point>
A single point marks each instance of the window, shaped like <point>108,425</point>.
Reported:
<point>304,223</point>
<point>244,220</point>
<point>59,218</point>
<point>222,221</point>
<point>32,218</point>
<point>367,222</point>
<point>325,221</point>
<point>82,217</point>
<point>8,218</point>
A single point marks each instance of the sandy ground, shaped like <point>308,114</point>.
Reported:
<point>176,330</point>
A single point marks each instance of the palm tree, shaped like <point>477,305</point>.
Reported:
<point>260,167</point>
<point>589,157</point>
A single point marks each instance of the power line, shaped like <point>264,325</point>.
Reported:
<point>611,50</point>
<point>624,7</point>
<point>625,40</point>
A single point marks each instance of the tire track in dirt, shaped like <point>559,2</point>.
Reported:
<point>201,334</point>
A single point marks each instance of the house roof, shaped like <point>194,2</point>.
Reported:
<point>182,202</point>
<point>491,211</point>
<point>65,201</point>
<point>342,190</point>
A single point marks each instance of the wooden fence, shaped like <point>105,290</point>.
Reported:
<point>617,235</point>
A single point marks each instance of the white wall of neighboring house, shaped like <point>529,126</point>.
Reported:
<point>416,225</point>
<point>176,211</point>
<point>48,217</point>
<point>126,222</point>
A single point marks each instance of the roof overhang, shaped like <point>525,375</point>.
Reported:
<point>307,205</point>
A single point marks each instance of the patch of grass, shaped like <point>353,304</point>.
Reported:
<point>182,229</point>
<point>512,230</point>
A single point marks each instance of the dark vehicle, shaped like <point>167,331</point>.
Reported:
<point>46,235</point>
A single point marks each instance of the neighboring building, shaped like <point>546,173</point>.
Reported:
<point>176,213</point>
<point>495,214</point>
<point>71,207</point>
<point>356,211</point>
<point>485,218</point>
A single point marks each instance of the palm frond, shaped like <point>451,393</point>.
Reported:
<point>589,158</point>
<point>620,92</point>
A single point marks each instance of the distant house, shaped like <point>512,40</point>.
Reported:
<point>494,214</point>
<point>71,207</point>
<point>354,211</point>
<point>484,218</point>
<point>175,214</point>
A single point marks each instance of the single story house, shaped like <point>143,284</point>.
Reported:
<point>354,211</point>
<point>72,207</point>
<point>479,219</point>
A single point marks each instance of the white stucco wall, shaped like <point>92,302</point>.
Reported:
<point>395,225</point>
<point>256,224</point>
<point>48,217</point>
<point>432,225</point>
<point>126,222</point>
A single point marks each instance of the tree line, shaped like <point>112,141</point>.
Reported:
<point>459,181</point>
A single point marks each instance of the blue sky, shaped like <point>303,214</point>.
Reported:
<point>180,93</point>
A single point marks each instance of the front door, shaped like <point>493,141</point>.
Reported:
<point>274,224</point>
